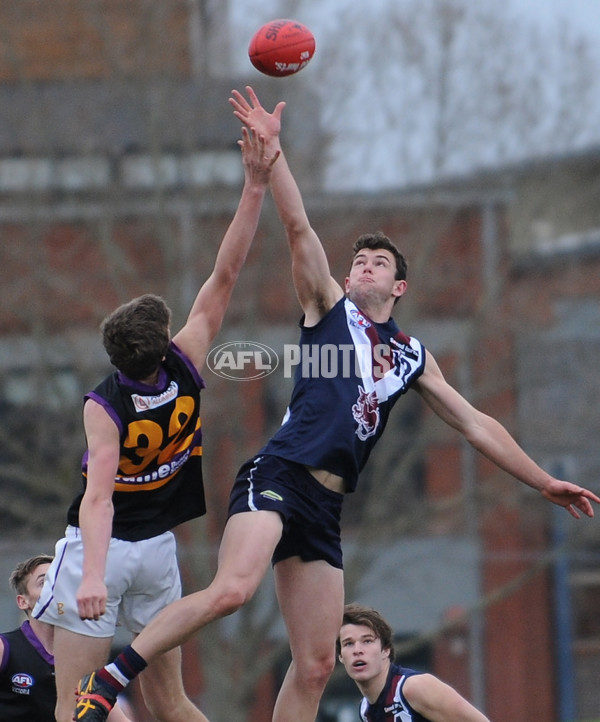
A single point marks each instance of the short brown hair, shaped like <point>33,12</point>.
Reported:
<point>136,335</point>
<point>371,618</point>
<point>376,240</point>
<point>21,573</point>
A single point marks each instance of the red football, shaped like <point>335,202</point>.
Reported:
<point>281,47</point>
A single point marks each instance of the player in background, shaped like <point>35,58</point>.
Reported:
<point>392,692</point>
<point>27,687</point>
<point>285,504</point>
<point>142,474</point>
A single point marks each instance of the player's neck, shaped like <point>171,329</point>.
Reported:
<point>372,688</point>
<point>151,380</point>
<point>44,632</point>
<point>374,310</point>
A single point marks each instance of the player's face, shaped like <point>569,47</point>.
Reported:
<point>372,277</point>
<point>34,586</point>
<point>361,653</point>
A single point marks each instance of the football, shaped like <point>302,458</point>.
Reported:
<point>281,47</point>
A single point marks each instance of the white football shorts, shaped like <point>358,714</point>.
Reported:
<point>141,578</point>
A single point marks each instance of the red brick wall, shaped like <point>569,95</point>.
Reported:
<point>74,39</point>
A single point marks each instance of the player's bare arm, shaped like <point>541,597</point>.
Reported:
<point>489,437</point>
<point>439,702</point>
<point>207,312</point>
<point>317,291</point>
<point>96,511</point>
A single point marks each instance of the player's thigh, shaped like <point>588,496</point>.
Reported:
<point>247,547</point>
<point>311,600</point>
<point>74,656</point>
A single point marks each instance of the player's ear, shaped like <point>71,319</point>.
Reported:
<point>399,288</point>
<point>22,602</point>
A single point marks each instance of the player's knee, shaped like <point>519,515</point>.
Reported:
<point>314,673</point>
<point>230,597</point>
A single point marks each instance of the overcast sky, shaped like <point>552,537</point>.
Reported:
<point>583,14</point>
<point>370,150</point>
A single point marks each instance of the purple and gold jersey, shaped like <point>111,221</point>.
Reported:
<point>391,706</point>
<point>159,479</point>
<point>350,373</point>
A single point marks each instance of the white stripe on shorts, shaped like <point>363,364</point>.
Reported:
<point>251,504</point>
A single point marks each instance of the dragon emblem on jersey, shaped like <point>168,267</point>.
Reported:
<point>366,413</point>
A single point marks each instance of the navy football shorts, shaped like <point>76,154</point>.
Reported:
<point>310,511</point>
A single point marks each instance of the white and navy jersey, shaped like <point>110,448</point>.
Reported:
<point>158,484</point>
<point>391,705</point>
<point>351,371</point>
<point>27,685</point>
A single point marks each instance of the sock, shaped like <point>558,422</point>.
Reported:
<point>119,673</point>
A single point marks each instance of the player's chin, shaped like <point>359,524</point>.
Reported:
<point>363,295</point>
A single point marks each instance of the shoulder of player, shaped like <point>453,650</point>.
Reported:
<point>419,689</point>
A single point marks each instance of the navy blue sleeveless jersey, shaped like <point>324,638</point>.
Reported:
<point>351,372</point>
<point>159,479</point>
<point>27,685</point>
<point>391,706</point>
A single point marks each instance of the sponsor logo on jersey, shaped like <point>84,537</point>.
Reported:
<point>22,683</point>
<point>268,494</point>
<point>164,471</point>
<point>394,709</point>
<point>145,403</point>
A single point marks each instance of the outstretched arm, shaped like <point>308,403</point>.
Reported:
<point>317,291</point>
<point>491,438</point>
<point>439,702</point>
<point>208,310</point>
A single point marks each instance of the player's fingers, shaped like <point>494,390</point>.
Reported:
<point>238,108</point>
<point>584,505</point>
<point>590,495</point>
<point>239,99</point>
<point>279,109</point>
<point>253,97</point>
<point>84,611</point>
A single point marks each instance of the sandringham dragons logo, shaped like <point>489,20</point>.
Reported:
<point>366,413</point>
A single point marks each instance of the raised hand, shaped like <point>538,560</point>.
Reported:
<point>254,116</point>
<point>257,162</point>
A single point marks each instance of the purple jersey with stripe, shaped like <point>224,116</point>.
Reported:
<point>350,373</point>
<point>158,484</point>
<point>391,705</point>
<point>27,685</point>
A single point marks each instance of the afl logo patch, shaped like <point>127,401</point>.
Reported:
<point>358,319</point>
<point>22,681</point>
